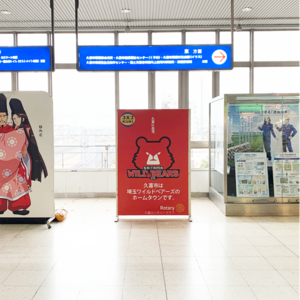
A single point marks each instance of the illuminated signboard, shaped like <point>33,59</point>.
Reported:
<point>151,58</point>
<point>14,59</point>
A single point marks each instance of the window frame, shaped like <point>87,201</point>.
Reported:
<point>183,78</point>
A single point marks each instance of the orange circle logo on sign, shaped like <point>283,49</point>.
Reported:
<point>180,208</point>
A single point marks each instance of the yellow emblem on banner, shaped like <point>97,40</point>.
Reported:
<point>127,119</point>
<point>180,208</point>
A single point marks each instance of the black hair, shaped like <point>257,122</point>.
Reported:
<point>38,164</point>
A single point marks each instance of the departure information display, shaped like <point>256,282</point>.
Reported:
<point>151,58</point>
<point>25,58</point>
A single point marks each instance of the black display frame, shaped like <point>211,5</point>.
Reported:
<point>51,52</point>
<point>145,70</point>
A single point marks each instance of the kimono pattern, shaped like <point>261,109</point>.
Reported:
<point>15,170</point>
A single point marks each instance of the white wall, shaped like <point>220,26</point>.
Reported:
<point>103,183</point>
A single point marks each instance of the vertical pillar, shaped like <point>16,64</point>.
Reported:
<point>15,75</point>
<point>117,78</point>
<point>50,87</point>
<point>216,74</point>
<point>151,80</point>
<point>232,26</point>
<point>215,84</point>
<point>251,75</point>
<point>117,106</point>
<point>183,81</point>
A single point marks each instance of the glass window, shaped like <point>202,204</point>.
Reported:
<point>133,85</point>
<point>133,90</point>
<point>29,81</point>
<point>276,80</point>
<point>84,119</point>
<point>6,39</point>
<point>166,85</point>
<point>65,48</point>
<point>32,39</point>
<point>94,39</point>
<point>200,93</point>
<point>217,145</point>
<point>201,38</point>
<point>199,159</point>
<point>140,38</point>
<point>235,81</point>
<point>241,45</point>
<point>166,38</point>
<point>276,45</point>
<point>5,81</point>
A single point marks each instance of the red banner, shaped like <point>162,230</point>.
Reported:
<point>153,162</point>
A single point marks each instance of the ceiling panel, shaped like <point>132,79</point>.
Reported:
<point>106,14</point>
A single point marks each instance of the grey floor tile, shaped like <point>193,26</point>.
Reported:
<point>18,292</point>
<point>100,293</point>
<point>263,277</point>
<point>57,292</point>
<point>25,278</point>
<point>144,292</point>
<point>188,293</point>
<point>275,292</point>
<point>183,278</point>
<point>144,277</point>
<point>231,293</point>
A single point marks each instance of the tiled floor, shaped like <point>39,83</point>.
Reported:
<point>89,257</point>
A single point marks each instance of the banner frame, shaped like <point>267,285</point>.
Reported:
<point>117,217</point>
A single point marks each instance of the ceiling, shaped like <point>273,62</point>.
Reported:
<point>34,15</point>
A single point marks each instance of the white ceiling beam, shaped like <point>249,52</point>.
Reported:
<point>242,20</point>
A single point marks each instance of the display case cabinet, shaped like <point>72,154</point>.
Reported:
<point>254,154</point>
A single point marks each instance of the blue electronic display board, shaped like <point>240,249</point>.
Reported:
<point>151,58</point>
<point>14,59</point>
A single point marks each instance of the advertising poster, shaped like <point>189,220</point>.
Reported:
<point>26,155</point>
<point>286,174</point>
<point>251,175</point>
<point>153,162</point>
<point>269,128</point>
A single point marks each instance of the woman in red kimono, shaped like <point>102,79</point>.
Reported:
<point>10,157</point>
<point>24,162</point>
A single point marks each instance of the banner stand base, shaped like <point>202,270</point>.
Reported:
<point>117,219</point>
<point>49,221</point>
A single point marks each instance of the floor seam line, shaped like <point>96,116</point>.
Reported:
<point>126,260</point>
<point>162,266</point>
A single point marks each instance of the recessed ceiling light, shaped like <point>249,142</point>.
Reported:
<point>246,9</point>
<point>5,12</point>
<point>125,10</point>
